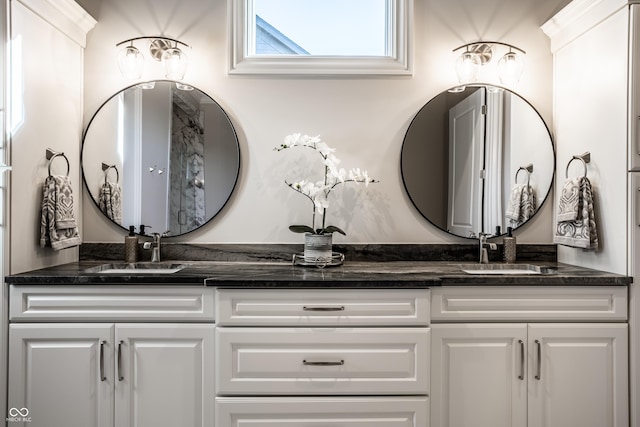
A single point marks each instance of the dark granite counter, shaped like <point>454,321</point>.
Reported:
<point>266,274</point>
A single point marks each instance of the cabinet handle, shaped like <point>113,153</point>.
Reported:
<point>637,146</point>
<point>320,363</point>
<point>539,360</point>
<point>521,376</point>
<point>637,205</point>
<point>120,376</point>
<point>336,308</point>
<point>102,377</point>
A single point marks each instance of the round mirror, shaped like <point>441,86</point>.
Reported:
<point>160,154</point>
<point>477,159</point>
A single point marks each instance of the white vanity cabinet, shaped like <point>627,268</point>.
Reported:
<point>330,357</point>
<point>70,367</point>
<point>492,364</point>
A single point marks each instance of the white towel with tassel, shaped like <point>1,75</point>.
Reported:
<point>576,223</point>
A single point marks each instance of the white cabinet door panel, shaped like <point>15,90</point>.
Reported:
<point>479,375</point>
<point>59,377</point>
<point>164,375</point>
<point>634,270</point>
<point>579,375</point>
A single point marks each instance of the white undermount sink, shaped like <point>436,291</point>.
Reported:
<point>137,268</point>
<point>505,269</point>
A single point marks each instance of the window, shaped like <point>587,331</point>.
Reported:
<point>320,36</point>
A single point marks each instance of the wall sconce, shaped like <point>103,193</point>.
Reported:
<point>162,49</point>
<point>477,54</point>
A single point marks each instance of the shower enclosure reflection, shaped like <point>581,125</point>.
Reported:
<point>176,151</point>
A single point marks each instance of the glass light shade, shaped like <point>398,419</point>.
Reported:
<point>467,66</point>
<point>175,63</point>
<point>131,62</point>
<point>147,85</point>
<point>510,68</point>
<point>182,86</point>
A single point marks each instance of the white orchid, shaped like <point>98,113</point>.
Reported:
<point>319,192</point>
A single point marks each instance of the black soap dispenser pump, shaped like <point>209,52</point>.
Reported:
<point>131,247</point>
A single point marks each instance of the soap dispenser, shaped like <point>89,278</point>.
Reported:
<point>131,247</point>
<point>509,244</point>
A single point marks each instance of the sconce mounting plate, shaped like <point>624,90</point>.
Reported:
<point>482,51</point>
<point>158,47</point>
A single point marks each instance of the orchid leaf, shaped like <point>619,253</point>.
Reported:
<point>301,229</point>
<point>333,229</point>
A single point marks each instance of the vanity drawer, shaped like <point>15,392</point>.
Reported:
<point>282,307</point>
<point>322,361</point>
<point>529,303</point>
<point>325,412</point>
<point>110,303</point>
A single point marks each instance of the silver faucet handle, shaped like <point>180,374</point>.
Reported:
<point>483,240</point>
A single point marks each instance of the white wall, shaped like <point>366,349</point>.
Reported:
<point>605,135</point>
<point>46,107</point>
<point>364,118</point>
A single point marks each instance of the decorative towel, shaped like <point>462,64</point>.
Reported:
<point>522,204</point>
<point>110,201</point>
<point>576,224</point>
<point>58,227</point>
<point>569,204</point>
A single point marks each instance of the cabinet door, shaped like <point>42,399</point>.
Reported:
<point>478,374</point>
<point>634,290</point>
<point>634,81</point>
<point>61,375</point>
<point>164,375</point>
<point>578,375</point>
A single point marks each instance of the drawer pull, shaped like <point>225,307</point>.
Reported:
<point>638,147</point>
<point>521,376</point>
<point>539,361</point>
<point>321,363</point>
<point>102,377</point>
<point>318,308</point>
<point>120,376</point>
<point>638,207</point>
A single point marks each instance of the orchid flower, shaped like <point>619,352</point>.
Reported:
<point>318,193</point>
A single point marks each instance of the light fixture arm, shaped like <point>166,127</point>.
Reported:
<point>472,45</point>
<point>169,39</point>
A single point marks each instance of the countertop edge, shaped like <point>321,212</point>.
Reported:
<point>353,275</point>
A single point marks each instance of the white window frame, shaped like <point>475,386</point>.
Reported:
<point>242,25</point>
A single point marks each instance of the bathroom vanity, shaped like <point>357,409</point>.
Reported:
<point>392,344</point>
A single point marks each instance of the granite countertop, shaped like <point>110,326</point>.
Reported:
<point>405,274</point>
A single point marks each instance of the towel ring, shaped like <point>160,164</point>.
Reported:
<point>105,169</point>
<point>52,155</point>
<point>584,158</point>
<point>528,169</point>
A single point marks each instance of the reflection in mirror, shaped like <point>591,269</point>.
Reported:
<point>163,157</point>
<point>476,160</point>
